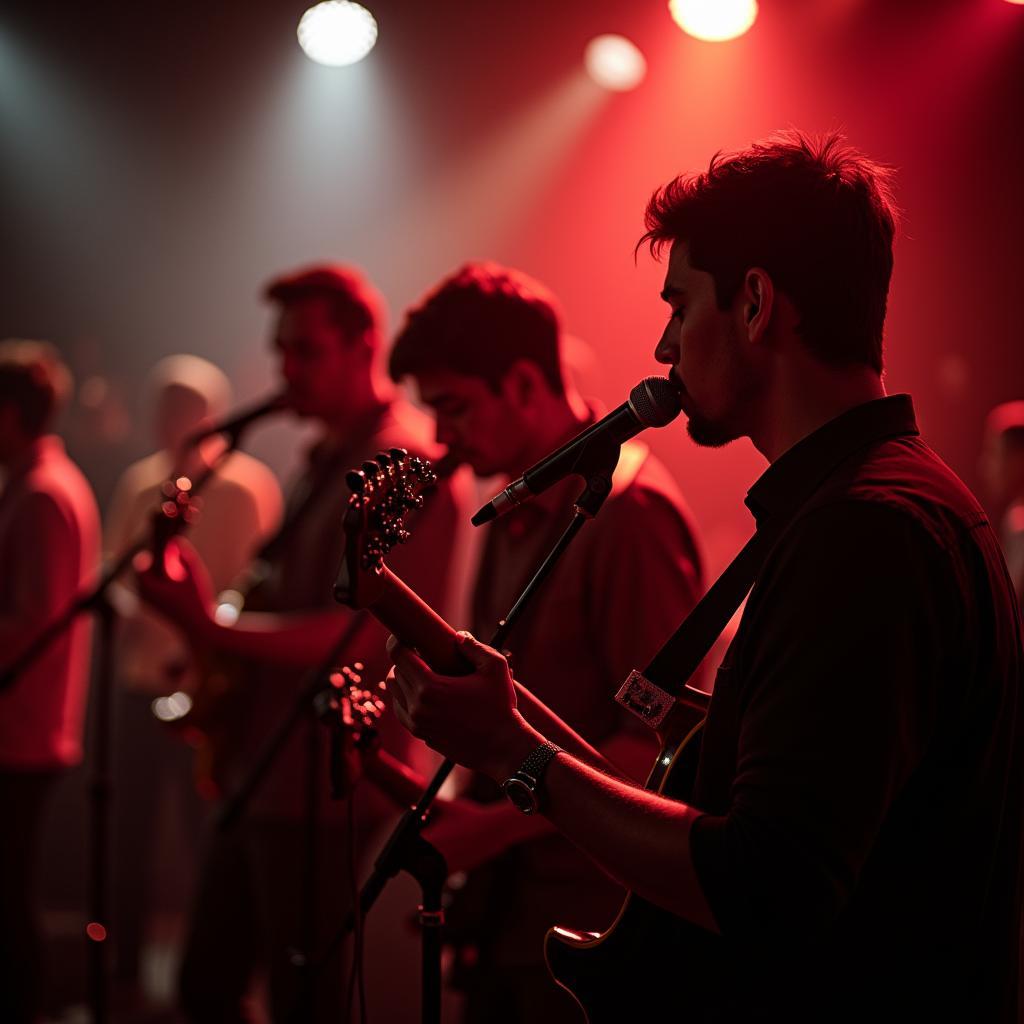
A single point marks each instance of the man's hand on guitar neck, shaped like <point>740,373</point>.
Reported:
<point>471,719</point>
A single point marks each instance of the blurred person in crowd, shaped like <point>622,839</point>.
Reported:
<point>240,505</point>
<point>486,351</point>
<point>255,883</point>
<point>1002,467</point>
<point>49,550</point>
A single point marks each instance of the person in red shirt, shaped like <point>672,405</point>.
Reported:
<point>49,550</point>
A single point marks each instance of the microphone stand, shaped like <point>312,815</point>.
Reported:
<point>95,599</point>
<point>406,849</point>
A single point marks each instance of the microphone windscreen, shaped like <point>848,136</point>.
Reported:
<point>655,401</point>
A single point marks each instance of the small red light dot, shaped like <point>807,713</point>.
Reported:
<point>96,931</point>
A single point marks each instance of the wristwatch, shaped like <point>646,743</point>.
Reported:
<point>522,787</point>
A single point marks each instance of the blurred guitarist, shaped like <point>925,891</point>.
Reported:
<point>248,914</point>
<point>854,836</point>
<point>485,351</point>
<point>153,769</point>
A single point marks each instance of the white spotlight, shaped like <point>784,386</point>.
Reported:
<point>615,63</point>
<point>714,20</point>
<point>337,32</point>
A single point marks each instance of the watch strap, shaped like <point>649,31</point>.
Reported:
<point>537,761</point>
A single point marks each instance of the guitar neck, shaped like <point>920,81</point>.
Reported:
<point>417,625</point>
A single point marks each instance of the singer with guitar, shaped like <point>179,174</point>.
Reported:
<point>484,349</point>
<point>851,847</point>
<point>248,915</point>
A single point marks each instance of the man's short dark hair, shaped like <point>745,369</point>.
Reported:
<point>478,322</point>
<point>814,213</point>
<point>33,379</point>
<point>356,306</point>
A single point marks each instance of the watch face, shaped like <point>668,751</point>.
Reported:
<point>521,794</point>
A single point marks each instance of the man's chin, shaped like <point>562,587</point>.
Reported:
<point>709,435</point>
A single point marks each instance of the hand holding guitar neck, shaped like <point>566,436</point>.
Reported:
<point>385,494</point>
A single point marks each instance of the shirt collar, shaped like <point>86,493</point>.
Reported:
<point>810,460</point>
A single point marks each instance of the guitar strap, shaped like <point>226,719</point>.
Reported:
<point>652,694</point>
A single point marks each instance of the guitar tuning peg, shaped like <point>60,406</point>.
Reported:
<point>398,454</point>
<point>356,481</point>
<point>384,460</point>
<point>371,469</point>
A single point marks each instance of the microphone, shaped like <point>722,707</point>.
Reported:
<point>652,403</point>
<point>237,423</point>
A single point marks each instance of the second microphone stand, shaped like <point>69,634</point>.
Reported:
<point>406,849</point>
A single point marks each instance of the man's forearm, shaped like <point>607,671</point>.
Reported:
<point>291,641</point>
<point>640,838</point>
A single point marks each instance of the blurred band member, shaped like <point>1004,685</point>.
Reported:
<point>240,506</point>
<point>485,350</point>
<point>1002,466</point>
<point>250,903</point>
<point>49,547</point>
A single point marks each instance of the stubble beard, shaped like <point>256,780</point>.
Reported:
<point>708,433</point>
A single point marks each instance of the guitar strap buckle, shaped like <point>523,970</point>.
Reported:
<point>648,701</point>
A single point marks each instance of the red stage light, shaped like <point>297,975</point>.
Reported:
<point>96,931</point>
<point>713,20</point>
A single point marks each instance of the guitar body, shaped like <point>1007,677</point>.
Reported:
<point>634,970</point>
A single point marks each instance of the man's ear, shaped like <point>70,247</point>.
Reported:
<point>757,303</point>
<point>522,383</point>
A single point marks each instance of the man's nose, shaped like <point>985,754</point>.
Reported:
<point>667,349</point>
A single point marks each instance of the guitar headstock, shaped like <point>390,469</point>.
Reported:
<point>385,493</point>
<point>179,508</point>
<point>360,708</point>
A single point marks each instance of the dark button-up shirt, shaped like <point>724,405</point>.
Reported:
<point>862,759</point>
